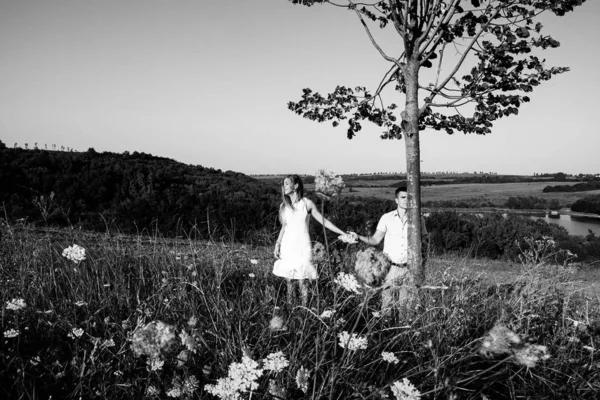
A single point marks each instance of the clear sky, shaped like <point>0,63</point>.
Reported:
<point>208,81</point>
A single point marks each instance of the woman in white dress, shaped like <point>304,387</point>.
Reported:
<point>293,248</point>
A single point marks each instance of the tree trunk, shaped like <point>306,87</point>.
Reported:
<point>413,170</point>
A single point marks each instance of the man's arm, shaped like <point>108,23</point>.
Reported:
<point>373,240</point>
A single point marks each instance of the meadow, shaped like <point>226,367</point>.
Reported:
<point>143,316</point>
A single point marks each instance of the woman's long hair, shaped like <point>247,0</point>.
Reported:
<point>299,190</point>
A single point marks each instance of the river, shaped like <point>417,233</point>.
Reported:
<point>574,225</point>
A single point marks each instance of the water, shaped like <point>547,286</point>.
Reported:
<point>574,225</point>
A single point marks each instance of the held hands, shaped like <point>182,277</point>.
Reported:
<point>349,237</point>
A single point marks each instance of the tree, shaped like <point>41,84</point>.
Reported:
<point>487,74</point>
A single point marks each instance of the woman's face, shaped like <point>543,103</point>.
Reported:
<point>288,186</point>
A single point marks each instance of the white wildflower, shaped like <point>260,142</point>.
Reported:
<point>74,253</point>
<point>108,343</point>
<point>275,362</point>
<point>389,357</point>
<point>327,314</point>
<point>174,392</point>
<point>154,339</point>
<point>352,342</point>
<point>11,333</point>
<point>348,282</point>
<point>16,304</point>
<point>328,183</point>
<point>241,378</point>
<point>75,333</point>
<point>499,340</point>
<point>188,341</point>
<point>277,324</point>
<point>152,391</point>
<point>190,385</point>
<point>302,379</point>
<point>253,261</point>
<point>192,321</point>
<point>80,303</point>
<point>589,348</point>
<point>251,275</point>
<point>405,390</point>
<point>155,364</point>
<point>531,354</point>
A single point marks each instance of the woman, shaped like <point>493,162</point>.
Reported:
<point>293,249</point>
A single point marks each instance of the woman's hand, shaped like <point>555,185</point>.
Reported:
<point>277,251</point>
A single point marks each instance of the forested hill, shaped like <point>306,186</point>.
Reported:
<point>131,192</point>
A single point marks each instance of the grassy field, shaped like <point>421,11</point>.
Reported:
<point>91,330</point>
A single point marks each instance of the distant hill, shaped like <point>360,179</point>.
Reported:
<point>133,192</point>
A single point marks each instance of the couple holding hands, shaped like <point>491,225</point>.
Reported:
<point>293,247</point>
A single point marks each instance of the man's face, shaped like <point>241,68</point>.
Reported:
<point>402,200</point>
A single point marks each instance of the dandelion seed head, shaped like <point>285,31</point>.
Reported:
<point>154,339</point>
<point>499,340</point>
<point>530,355</point>
<point>372,266</point>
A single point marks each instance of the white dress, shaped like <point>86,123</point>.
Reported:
<point>295,251</point>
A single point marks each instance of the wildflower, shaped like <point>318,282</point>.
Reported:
<point>251,275</point>
<point>327,314</point>
<point>118,373</point>
<point>192,321</point>
<point>377,314</point>
<point>348,282</point>
<point>276,391</point>
<point>589,348</point>
<point>74,253</point>
<point>405,390</point>
<point>275,362</point>
<point>155,364</point>
<point>276,324</point>
<point>241,378</point>
<point>253,261</point>
<point>108,343</point>
<point>11,333</point>
<point>152,391</point>
<point>352,342</point>
<point>190,385</point>
<point>318,253</point>
<point>188,341</point>
<point>302,379</point>
<point>16,304</point>
<point>530,355</point>
<point>80,303</point>
<point>372,266</point>
<point>75,333</point>
<point>328,183</point>
<point>389,357</point>
<point>174,392</point>
<point>499,340</point>
<point>35,360</point>
<point>154,339</point>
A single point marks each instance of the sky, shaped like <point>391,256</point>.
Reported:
<point>207,82</point>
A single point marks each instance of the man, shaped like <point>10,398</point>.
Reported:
<point>393,226</point>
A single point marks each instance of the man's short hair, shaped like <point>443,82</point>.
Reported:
<point>400,189</point>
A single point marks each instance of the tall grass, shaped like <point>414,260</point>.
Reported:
<point>74,335</point>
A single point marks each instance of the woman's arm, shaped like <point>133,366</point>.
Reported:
<point>277,251</point>
<point>312,209</point>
